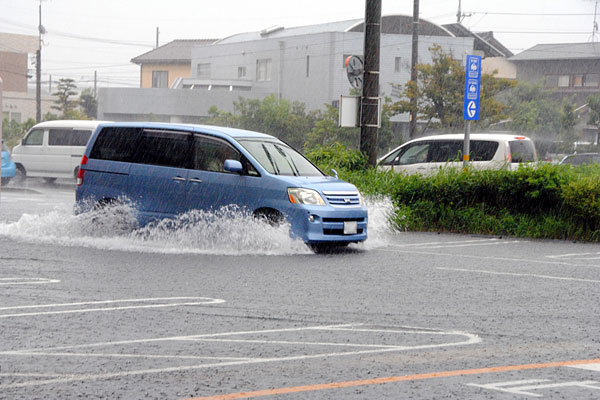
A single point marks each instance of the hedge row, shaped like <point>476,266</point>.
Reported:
<point>537,201</point>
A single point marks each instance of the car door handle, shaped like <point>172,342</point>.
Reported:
<point>178,178</point>
<point>196,180</point>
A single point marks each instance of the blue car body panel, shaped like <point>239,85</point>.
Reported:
<point>9,168</point>
<point>160,192</point>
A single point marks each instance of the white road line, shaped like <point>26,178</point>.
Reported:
<point>573,255</point>
<point>561,278</point>
<point>379,346</point>
<point>26,281</point>
<point>427,244</point>
<point>589,367</point>
<point>203,301</point>
<point>475,257</point>
<point>119,355</point>
<point>470,339</point>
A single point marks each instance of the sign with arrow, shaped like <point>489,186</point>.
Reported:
<point>472,88</point>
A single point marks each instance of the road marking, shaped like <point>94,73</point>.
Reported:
<point>469,339</point>
<point>524,386</point>
<point>457,244</point>
<point>480,271</point>
<point>475,257</point>
<point>26,281</point>
<point>571,255</point>
<point>590,367</point>
<point>392,379</point>
<point>199,301</point>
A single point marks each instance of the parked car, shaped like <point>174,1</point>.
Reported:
<point>581,158</point>
<point>169,169</point>
<point>429,154</point>
<point>8,166</point>
<point>53,149</point>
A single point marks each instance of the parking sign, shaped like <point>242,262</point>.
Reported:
<point>472,86</point>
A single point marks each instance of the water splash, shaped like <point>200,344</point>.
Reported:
<point>228,231</point>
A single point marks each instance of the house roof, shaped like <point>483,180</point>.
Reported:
<point>484,41</point>
<point>560,51</point>
<point>390,24</point>
<point>176,51</point>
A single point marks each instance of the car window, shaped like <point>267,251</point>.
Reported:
<point>279,159</point>
<point>115,144</point>
<point>164,148</point>
<point>414,154</point>
<point>35,138</point>
<point>210,155</point>
<point>483,150</point>
<point>445,151</point>
<point>391,159</point>
<point>59,136</point>
<point>80,137</point>
<point>522,151</point>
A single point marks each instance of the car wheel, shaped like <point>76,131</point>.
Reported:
<point>328,248</point>
<point>20,174</point>
<point>5,181</point>
<point>270,216</point>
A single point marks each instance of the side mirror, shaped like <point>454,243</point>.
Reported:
<point>335,174</point>
<point>233,166</point>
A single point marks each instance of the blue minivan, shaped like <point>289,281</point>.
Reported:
<point>169,169</point>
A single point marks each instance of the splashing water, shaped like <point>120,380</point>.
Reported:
<point>228,231</point>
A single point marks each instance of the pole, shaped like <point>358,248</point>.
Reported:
<point>95,82</point>
<point>157,32</point>
<point>38,72</point>
<point>467,144</point>
<point>412,127</point>
<point>369,120</point>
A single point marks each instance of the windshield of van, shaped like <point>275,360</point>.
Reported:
<point>280,159</point>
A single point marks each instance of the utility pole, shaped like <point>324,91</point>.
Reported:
<point>38,70</point>
<point>412,124</point>
<point>595,26</point>
<point>95,82</point>
<point>157,34</point>
<point>370,101</point>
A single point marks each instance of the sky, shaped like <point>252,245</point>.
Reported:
<point>102,36</point>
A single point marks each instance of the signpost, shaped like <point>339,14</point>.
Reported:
<point>471,101</point>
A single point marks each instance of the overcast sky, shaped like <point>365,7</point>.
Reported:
<point>84,36</point>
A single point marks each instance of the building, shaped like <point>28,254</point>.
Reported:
<point>568,70</point>
<point>161,67</point>
<point>18,104</point>
<point>303,64</point>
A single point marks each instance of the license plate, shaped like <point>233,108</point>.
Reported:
<point>350,227</point>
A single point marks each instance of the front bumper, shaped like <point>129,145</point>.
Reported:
<point>315,224</point>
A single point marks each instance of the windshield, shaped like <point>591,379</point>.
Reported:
<point>280,159</point>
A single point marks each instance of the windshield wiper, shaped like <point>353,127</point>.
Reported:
<point>289,160</point>
<point>275,169</point>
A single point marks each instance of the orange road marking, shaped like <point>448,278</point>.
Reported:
<point>390,379</point>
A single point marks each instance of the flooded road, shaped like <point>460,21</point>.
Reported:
<point>223,306</point>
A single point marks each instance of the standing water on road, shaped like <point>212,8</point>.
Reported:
<point>227,231</point>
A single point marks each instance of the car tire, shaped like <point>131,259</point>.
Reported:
<point>5,181</point>
<point>20,174</point>
<point>270,216</point>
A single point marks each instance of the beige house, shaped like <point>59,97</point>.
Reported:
<point>18,104</point>
<point>165,65</point>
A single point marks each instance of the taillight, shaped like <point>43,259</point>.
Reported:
<point>81,171</point>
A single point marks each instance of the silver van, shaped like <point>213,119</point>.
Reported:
<point>429,154</point>
<point>52,149</point>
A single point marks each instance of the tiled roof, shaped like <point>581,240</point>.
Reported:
<point>175,51</point>
<point>560,51</point>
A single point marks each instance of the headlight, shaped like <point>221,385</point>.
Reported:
<point>305,196</point>
<point>361,199</point>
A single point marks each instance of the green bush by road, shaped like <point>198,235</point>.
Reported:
<point>538,201</point>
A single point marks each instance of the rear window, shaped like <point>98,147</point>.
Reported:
<point>164,148</point>
<point>115,144</point>
<point>522,151</point>
<point>80,137</point>
<point>483,150</point>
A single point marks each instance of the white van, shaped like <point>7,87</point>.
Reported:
<point>53,149</point>
<point>429,154</point>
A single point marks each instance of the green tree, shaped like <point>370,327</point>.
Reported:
<point>594,106</point>
<point>89,103</point>
<point>439,94</point>
<point>65,90</point>
<point>13,132</point>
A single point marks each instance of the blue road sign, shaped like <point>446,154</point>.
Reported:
<point>472,88</point>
